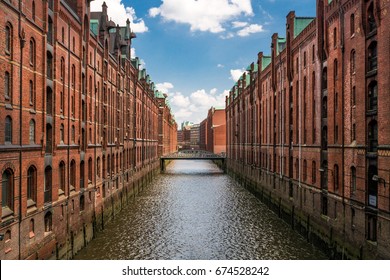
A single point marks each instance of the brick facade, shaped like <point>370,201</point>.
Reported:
<point>308,126</point>
<point>79,125</point>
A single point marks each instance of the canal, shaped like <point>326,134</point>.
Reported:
<point>194,211</point>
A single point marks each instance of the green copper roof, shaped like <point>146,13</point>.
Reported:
<point>265,62</point>
<point>300,24</point>
<point>159,94</point>
<point>94,26</point>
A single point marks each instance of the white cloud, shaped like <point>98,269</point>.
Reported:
<point>239,24</point>
<point>119,14</point>
<point>235,74</point>
<point>164,87</point>
<point>219,65</point>
<point>253,28</point>
<point>193,107</point>
<point>227,36</point>
<point>202,15</point>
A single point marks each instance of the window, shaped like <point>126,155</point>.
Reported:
<point>32,132</point>
<point>82,170</point>
<point>48,185</point>
<point>32,52</point>
<point>33,10</point>
<point>336,177</point>
<point>372,56</point>
<point>49,139</point>
<point>62,177</point>
<point>373,96</point>
<point>62,35</point>
<point>352,24</point>
<point>73,75</point>
<point>304,170</point>
<point>371,24</point>
<point>8,39</point>
<point>82,203</point>
<point>335,37</point>
<point>62,69</point>
<point>325,78</point>
<point>353,179</point>
<point>62,133</point>
<point>7,86</point>
<point>373,137</point>
<point>336,101</point>
<point>313,172</point>
<point>31,93</point>
<point>73,134</point>
<point>48,222</point>
<point>335,69</point>
<point>8,130</point>
<point>304,59</point>
<point>353,62</point>
<point>62,102</point>
<point>50,34</point>
<point>73,174</point>
<point>98,166</point>
<point>353,96</point>
<point>31,185</point>
<point>354,132</point>
<point>7,190</point>
<point>49,66</point>
<point>90,169</point>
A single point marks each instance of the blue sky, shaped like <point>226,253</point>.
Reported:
<point>195,50</point>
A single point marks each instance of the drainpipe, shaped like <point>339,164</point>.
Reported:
<point>341,15</point>
<point>68,146</point>
<point>300,116</point>
<point>22,44</point>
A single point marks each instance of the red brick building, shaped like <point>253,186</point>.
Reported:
<point>167,127</point>
<point>215,134</point>
<point>308,126</point>
<point>79,129</point>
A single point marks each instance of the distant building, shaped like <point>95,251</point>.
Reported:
<point>194,136</point>
<point>216,131</point>
<point>203,135</point>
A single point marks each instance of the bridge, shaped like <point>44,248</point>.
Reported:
<point>192,155</point>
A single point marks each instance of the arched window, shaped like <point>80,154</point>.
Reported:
<point>62,69</point>
<point>304,170</point>
<point>8,130</point>
<point>98,167</point>
<point>62,177</point>
<point>49,65</point>
<point>7,86</point>
<point>373,137</point>
<point>32,52</point>
<point>8,39</point>
<point>48,185</point>
<point>49,139</point>
<point>48,222</point>
<point>336,177</point>
<point>31,93</point>
<point>90,170</point>
<point>313,172</point>
<point>50,35</point>
<point>72,174</point>
<point>373,96</point>
<point>371,24</point>
<point>63,35</point>
<point>353,179</point>
<point>62,133</point>
<point>335,69</point>
<point>7,191</point>
<point>32,132</point>
<point>31,186</point>
<point>325,137</point>
<point>353,62</point>
<point>335,37</point>
<point>32,228</point>
<point>372,56</point>
<point>352,24</point>
<point>33,10</point>
<point>325,78</point>
<point>325,107</point>
<point>82,171</point>
<point>73,134</point>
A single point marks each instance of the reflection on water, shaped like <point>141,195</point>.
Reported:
<point>194,211</point>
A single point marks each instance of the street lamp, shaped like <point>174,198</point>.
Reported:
<point>376,178</point>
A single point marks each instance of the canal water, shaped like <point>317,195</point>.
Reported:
<point>195,212</point>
